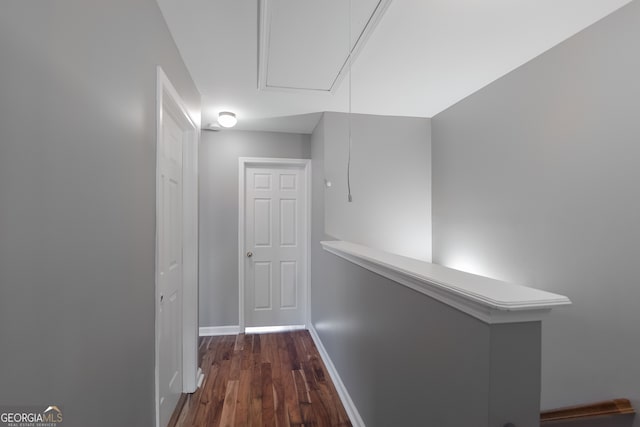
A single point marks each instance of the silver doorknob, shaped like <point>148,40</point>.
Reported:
<point>249,254</point>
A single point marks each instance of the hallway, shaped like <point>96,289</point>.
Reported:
<point>263,380</point>
<point>469,220</point>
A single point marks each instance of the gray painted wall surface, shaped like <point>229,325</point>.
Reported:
<point>219,153</point>
<point>390,182</point>
<point>77,204</point>
<point>514,374</point>
<point>535,181</point>
<point>408,360</point>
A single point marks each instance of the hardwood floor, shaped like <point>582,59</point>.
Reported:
<point>263,380</point>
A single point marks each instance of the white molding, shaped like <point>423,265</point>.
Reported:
<point>308,177</point>
<point>214,331</point>
<point>348,404</point>
<point>241,225</point>
<point>272,329</point>
<point>168,97</point>
<point>273,161</point>
<point>489,300</point>
<point>264,34</point>
<point>243,163</point>
<point>200,377</point>
<point>190,259</point>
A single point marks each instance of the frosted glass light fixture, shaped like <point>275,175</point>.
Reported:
<point>227,119</point>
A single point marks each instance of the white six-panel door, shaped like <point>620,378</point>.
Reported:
<point>170,267</point>
<point>275,246</point>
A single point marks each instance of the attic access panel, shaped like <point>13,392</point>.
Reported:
<point>304,44</point>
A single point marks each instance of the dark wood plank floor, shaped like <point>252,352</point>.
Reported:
<point>263,380</point>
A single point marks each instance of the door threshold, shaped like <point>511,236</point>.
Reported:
<point>268,329</point>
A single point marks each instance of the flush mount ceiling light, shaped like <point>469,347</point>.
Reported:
<point>227,119</point>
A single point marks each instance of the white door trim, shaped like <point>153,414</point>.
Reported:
<point>243,163</point>
<point>168,97</point>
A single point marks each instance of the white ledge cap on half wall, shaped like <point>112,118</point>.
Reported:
<point>490,300</point>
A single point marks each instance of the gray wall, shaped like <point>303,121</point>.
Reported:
<point>219,153</point>
<point>77,204</point>
<point>390,182</point>
<point>535,181</point>
<point>399,352</point>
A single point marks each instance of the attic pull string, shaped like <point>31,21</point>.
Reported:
<point>349,198</point>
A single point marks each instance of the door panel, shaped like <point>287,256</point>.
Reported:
<point>288,284</point>
<point>262,221</point>
<point>170,267</point>
<point>262,181</point>
<point>288,231</point>
<point>275,237</point>
<point>287,181</point>
<point>262,285</point>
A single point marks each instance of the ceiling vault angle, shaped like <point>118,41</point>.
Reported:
<point>279,64</point>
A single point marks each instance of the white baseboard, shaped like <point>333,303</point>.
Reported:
<point>200,377</point>
<point>349,406</point>
<point>211,331</point>
<point>271,329</point>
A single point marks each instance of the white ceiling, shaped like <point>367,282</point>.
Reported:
<point>423,56</point>
<point>315,56</point>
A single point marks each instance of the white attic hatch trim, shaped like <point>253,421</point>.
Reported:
<point>334,71</point>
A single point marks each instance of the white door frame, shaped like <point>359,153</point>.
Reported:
<point>169,98</point>
<point>243,163</point>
